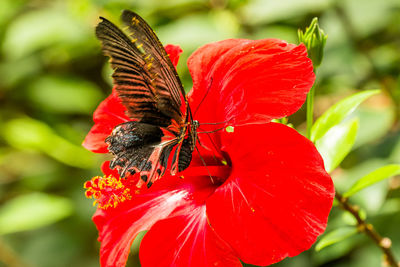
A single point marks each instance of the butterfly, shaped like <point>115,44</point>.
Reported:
<point>149,87</point>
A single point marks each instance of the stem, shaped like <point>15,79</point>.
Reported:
<point>310,110</point>
<point>383,243</point>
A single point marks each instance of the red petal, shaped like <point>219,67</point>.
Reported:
<point>108,114</point>
<point>118,227</point>
<point>174,51</point>
<point>278,197</point>
<point>186,240</point>
<point>105,168</point>
<point>245,81</point>
<point>94,140</point>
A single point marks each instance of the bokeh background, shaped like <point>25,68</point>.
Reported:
<point>53,75</point>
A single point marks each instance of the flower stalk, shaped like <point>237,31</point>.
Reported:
<point>310,110</point>
<point>383,243</point>
<point>314,39</point>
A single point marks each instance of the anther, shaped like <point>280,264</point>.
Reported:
<point>107,191</point>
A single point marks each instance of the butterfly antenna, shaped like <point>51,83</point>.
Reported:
<point>204,97</point>
<point>213,131</point>
<point>215,123</point>
<point>205,165</point>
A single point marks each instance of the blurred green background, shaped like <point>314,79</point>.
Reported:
<point>53,75</point>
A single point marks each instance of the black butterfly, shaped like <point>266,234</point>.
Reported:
<point>149,87</point>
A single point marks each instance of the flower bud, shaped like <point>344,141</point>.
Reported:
<point>314,39</point>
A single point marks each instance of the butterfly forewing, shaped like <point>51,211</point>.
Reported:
<point>133,81</point>
<point>149,87</point>
<point>167,83</point>
<point>144,76</point>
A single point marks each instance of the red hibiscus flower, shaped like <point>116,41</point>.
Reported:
<point>269,196</point>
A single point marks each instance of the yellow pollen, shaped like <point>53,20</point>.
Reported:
<point>107,191</point>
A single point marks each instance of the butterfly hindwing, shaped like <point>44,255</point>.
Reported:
<point>140,148</point>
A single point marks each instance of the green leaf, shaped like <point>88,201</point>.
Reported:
<point>260,12</point>
<point>374,177</point>
<point>64,94</point>
<point>26,133</point>
<point>42,28</point>
<point>335,114</point>
<point>9,9</point>
<point>349,218</point>
<point>192,31</point>
<point>337,143</point>
<point>335,236</point>
<point>32,211</point>
<point>369,17</point>
<point>374,124</point>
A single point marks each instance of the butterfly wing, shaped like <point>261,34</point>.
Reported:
<point>144,77</point>
<point>149,87</point>
<point>168,84</point>
<point>141,148</point>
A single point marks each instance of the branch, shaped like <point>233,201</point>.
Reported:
<point>384,243</point>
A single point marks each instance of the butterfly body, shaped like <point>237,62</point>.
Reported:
<point>149,87</point>
<point>188,146</point>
